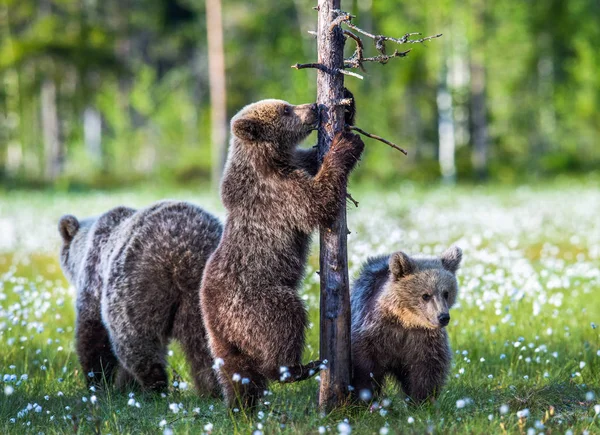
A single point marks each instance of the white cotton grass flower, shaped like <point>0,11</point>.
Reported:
<point>410,420</point>
<point>208,427</point>
<point>344,428</point>
<point>174,407</point>
<point>523,413</point>
<point>589,396</point>
<point>8,390</point>
<point>365,395</point>
<point>236,377</point>
<point>322,429</point>
<point>597,409</point>
<point>384,431</point>
<point>504,409</point>
<point>131,402</point>
<point>218,363</point>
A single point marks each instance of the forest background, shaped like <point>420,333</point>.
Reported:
<point>102,94</point>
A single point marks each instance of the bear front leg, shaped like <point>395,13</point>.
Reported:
<point>422,381</point>
<point>426,368</point>
<point>367,379</point>
<point>307,159</point>
<point>328,186</point>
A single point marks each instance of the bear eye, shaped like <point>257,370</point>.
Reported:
<point>287,110</point>
<point>426,297</point>
<point>446,294</point>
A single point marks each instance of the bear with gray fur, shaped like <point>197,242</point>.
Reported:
<point>137,275</point>
<point>276,195</point>
<point>400,307</point>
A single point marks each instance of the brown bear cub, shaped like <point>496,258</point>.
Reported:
<point>137,275</point>
<point>400,307</point>
<point>276,195</point>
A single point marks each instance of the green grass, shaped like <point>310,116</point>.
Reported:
<point>524,333</point>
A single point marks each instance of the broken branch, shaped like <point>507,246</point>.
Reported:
<point>323,68</point>
<point>350,73</point>
<point>383,58</point>
<point>354,201</point>
<point>356,60</point>
<point>380,39</point>
<point>339,20</point>
<point>379,138</point>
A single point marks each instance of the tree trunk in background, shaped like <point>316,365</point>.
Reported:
<point>53,148</point>
<point>92,134</point>
<point>447,144</point>
<point>335,297</point>
<point>480,153</point>
<point>218,98</point>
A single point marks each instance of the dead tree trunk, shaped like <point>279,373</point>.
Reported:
<point>335,296</point>
<point>216,78</point>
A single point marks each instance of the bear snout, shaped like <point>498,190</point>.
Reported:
<point>444,319</point>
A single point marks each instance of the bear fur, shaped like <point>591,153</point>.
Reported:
<point>399,310</point>
<point>137,275</point>
<point>276,195</point>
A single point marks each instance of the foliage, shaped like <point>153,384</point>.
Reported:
<point>142,65</point>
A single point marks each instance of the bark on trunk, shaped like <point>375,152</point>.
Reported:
<point>216,77</point>
<point>335,298</point>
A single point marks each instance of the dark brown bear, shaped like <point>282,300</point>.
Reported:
<point>137,275</point>
<point>399,310</point>
<point>254,317</point>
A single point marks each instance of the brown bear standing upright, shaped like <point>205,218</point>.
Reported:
<point>253,315</point>
<point>137,275</point>
<point>399,310</point>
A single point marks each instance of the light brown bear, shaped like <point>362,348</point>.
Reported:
<point>276,195</point>
<point>137,275</point>
<point>400,307</point>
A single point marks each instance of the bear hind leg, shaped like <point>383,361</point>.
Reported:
<point>242,385</point>
<point>144,359</point>
<point>94,350</point>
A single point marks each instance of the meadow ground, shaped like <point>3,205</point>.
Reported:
<point>526,346</point>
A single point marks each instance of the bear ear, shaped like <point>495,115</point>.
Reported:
<point>451,258</point>
<point>247,129</point>
<point>401,265</point>
<point>67,227</point>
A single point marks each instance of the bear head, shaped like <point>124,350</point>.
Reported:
<point>420,291</point>
<point>274,125</point>
<point>74,237</point>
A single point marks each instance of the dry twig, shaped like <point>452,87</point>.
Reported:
<point>381,39</point>
<point>354,201</point>
<point>374,136</point>
<point>323,68</point>
<point>340,19</point>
